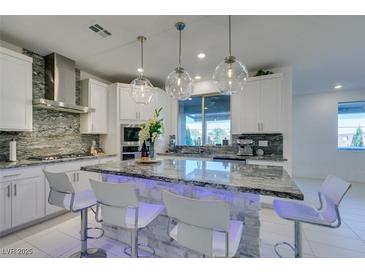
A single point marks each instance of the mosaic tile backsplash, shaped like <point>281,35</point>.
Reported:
<point>275,145</point>
<point>53,132</point>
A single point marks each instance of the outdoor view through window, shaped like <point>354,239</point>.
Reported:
<point>204,120</point>
<point>351,125</point>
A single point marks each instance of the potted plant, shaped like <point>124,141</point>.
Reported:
<point>151,130</point>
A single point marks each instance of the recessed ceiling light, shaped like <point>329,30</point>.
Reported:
<point>338,86</point>
<point>201,55</point>
<point>140,70</point>
<point>197,77</point>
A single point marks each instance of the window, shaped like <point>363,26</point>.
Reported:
<point>204,120</point>
<point>351,125</point>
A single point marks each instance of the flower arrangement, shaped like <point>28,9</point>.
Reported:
<point>152,129</point>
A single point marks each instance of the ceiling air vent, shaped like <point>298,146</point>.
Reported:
<point>100,30</point>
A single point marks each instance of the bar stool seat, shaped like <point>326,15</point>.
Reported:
<point>82,199</point>
<point>219,241</point>
<point>146,214</point>
<point>299,212</point>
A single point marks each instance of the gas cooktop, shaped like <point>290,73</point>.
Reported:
<point>58,156</point>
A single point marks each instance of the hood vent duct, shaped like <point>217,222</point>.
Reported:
<point>60,92</point>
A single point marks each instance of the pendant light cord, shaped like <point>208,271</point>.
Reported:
<point>179,48</point>
<point>142,55</point>
<point>229,35</point>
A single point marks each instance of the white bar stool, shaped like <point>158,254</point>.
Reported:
<point>332,191</point>
<point>203,225</point>
<point>119,206</point>
<point>62,194</point>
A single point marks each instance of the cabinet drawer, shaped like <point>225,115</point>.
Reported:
<point>20,173</point>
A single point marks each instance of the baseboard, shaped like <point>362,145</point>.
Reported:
<point>34,222</point>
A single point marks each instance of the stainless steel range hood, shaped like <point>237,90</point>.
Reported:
<point>60,92</point>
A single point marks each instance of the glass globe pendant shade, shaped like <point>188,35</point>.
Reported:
<point>142,90</point>
<point>230,76</point>
<point>179,84</point>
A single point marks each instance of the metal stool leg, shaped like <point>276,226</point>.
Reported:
<point>298,239</point>
<point>297,248</point>
<point>85,252</point>
<point>132,250</point>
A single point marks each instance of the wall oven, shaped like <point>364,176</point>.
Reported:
<point>129,141</point>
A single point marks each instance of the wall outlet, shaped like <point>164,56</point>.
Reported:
<point>263,143</point>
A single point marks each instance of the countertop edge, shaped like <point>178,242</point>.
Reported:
<point>20,164</point>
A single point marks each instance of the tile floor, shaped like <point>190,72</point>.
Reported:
<point>59,237</point>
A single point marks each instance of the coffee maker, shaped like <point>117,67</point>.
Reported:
<point>245,147</point>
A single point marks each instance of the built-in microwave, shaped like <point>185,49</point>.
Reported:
<point>129,134</point>
<point>129,141</point>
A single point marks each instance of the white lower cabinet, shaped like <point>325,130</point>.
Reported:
<point>24,191</point>
<point>5,206</point>
<point>21,197</point>
<point>27,200</point>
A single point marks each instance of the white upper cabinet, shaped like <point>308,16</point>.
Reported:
<point>146,111</point>
<point>15,91</point>
<point>258,109</point>
<point>94,94</point>
<point>128,109</point>
<point>271,108</point>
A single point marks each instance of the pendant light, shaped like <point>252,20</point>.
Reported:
<point>141,88</point>
<point>230,75</point>
<point>179,84</point>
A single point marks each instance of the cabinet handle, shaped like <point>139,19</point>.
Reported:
<point>74,177</point>
<point>9,191</point>
<point>258,127</point>
<point>78,177</point>
<point>262,126</point>
<point>11,175</point>
<point>15,190</point>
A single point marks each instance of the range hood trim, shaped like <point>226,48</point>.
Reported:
<point>60,106</point>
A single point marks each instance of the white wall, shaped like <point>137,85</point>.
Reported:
<point>315,138</point>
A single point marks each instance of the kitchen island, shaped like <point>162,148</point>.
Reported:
<point>238,184</point>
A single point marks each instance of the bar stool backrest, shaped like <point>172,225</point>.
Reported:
<point>333,189</point>
<point>198,219</point>
<point>60,187</point>
<point>115,199</point>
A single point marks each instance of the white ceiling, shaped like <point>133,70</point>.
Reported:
<point>323,50</point>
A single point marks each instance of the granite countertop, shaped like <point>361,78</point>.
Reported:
<point>235,176</point>
<point>272,157</point>
<point>24,163</point>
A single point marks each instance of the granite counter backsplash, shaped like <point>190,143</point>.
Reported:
<point>53,132</point>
